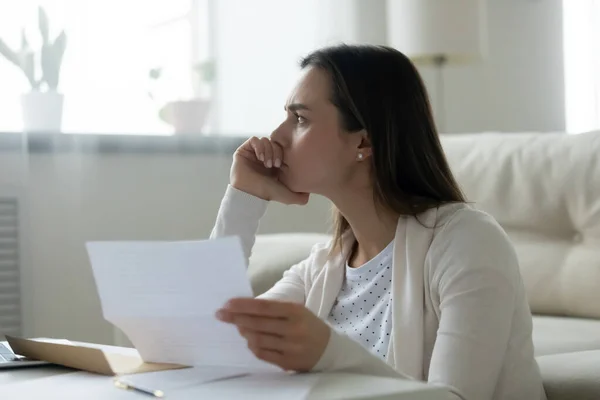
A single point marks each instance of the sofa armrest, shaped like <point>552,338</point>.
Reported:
<point>274,254</point>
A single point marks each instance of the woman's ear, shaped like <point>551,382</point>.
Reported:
<point>364,149</point>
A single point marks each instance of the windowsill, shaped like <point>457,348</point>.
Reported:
<point>98,143</point>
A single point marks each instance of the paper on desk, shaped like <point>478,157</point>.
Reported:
<point>83,385</point>
<point>167,381</point>
<point>164,295</point>
<point>259,386</point>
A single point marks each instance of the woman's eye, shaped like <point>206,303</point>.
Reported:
<point>300,119</point>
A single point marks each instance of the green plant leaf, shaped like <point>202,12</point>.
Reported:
<point>27,60</point>
<point>60,44</point>
<point>24,42</point>
<point>52,57</point>
<point>9,54</point>
<point>28,67</point>
<point>43,24</point>
<point>23,60</point>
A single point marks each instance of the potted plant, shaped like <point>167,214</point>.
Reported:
<point>42,106</point>
<point>187,115</point>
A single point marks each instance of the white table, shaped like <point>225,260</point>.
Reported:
<point>66,383</point>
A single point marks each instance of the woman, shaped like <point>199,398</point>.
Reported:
<point>415,283</point>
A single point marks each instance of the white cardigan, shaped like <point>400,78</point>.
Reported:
<point>460,313</point>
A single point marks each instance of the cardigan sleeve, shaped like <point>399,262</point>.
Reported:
<point>239,215</point>
<point>475,273</point>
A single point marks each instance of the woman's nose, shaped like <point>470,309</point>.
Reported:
<point>279,135</point>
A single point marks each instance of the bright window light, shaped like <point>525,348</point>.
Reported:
<point>582,64</point>
<point>254,46</point>
<point>111,47</point>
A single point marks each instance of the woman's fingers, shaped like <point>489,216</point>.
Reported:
<point>258,147</point>
<point>270,348</point>
<point>277,155</point>
<point>283,333</point>
<point>271,356</point>
<point>271,326</point>
<point>255,170</point>
<point>268,152</point>
<point>263,307</point>
<point>261,340</point>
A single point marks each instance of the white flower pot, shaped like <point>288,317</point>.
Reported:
<point>42,112</point>
<point>186,116</point>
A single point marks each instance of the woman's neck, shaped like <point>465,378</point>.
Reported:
<point>373,226</point>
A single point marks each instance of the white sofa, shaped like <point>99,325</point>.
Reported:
<point>544,189</point>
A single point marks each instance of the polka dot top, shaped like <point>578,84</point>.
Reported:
<point>363,309</point>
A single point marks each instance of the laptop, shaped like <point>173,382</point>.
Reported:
<point>8,359</point>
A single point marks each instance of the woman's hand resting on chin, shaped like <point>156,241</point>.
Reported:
<point>255,170</point>
<point>282,333</point>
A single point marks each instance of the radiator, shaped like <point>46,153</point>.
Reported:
<point>10,280</point>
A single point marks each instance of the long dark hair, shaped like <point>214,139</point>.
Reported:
<point>378,89</point>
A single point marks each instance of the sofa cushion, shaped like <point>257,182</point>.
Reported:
<point>572,376</point>
<point>273,254</point>
<point>554,335</point>
<point>544,189</point>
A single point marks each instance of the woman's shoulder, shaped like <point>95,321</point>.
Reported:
<point>470,237</point>
<point>464,222</point>
<point>463,216</point>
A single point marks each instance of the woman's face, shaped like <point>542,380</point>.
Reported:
<point>318,155</point>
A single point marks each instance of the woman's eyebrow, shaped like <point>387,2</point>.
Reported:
<point>295,107</point>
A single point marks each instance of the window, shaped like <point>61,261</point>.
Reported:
<point>582,64</point>
<point>111,47</point>
<point>253,46</point>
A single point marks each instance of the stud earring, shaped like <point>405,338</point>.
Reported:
<point>360,156</point>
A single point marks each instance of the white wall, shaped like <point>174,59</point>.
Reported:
<point>73,198</point>
<point>519,86</point>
